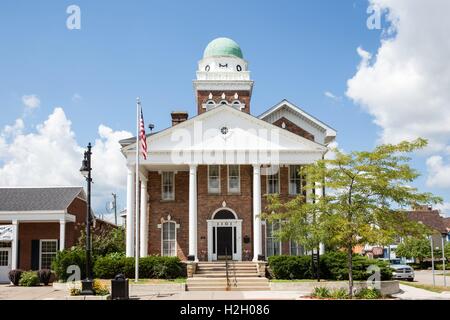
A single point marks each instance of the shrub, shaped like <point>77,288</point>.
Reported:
<point>99,288</point>
<point>66,258</point>
<point>29,279</point>
<point>340,294</point>
<point>368,293</point>
<point>152,267</point>
<point>75,291</point>
<point>109,266</point>
<point>321,292</point>
<point>45,276</point>
<point>14,276</point>
<point>333,266</point>
<point>291,267</point>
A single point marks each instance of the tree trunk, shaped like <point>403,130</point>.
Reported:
<point>350,270</point>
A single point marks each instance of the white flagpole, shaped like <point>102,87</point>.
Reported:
<point>136,229</point>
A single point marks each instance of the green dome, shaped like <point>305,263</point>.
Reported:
<point>223,47</point>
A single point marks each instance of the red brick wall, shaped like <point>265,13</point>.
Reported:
<point>292,127</point>
<point>203,97</point>
<point>50,230</point>
<point>207,204</point>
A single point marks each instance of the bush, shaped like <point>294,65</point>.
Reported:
<point>45,276</point>
<point>29,279</point>
<point>152,267</point>
<point>14,276</point>
<point>99,288</point>
<point>368,293</point>
<point>291,267</point>
<point>333,266</point>
<point>340,294</point>
<point>321,292</point>
<point>75,291</point>
<point>66,258</point>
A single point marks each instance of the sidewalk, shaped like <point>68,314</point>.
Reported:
<point>412,293</point>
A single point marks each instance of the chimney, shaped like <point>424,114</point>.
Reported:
<point>178,117</point>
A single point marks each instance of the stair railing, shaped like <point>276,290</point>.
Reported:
<point>226,269</point>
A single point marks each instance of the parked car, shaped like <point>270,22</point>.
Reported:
<point>402,272</point>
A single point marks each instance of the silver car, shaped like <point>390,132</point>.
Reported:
<point>402,272</point>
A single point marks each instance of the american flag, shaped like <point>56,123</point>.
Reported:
<point>142,136</point>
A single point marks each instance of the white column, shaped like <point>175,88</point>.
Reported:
<point>193,211</point>
<point>14,245</point>
<point>318,194</point>
<point>257,245</point>
<point>62,234</point>
<point>130,213</point>
<point>144,219</point>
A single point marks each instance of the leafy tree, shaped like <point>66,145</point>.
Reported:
<point>366,194</point>
<point>105,241</point>
<point>414,248</point>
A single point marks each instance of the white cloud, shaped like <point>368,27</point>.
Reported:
<point>77,97</point>
<point>438,172</point>
<point>51,156</point>
<point>444,208</point>
<point>31,101</point>
<point>406,86</point>
<point>332,96</point>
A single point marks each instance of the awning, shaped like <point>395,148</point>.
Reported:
<point>6,233</point>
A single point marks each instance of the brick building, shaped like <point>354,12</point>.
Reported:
<point>202,187</point>
<point>37,222</point>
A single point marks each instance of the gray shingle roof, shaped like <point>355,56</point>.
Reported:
<point>38,199</point>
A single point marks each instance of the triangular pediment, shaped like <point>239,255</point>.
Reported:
<point>225,128</point>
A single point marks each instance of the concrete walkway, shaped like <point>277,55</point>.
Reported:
<point>412,293</point>
<point>235,295</point>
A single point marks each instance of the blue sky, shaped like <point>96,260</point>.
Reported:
<point>297,50</point>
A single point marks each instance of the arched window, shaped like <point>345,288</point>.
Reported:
<point>224,214</point>
<point>169,239</point>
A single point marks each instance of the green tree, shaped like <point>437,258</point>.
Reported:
<point>105,241</point>
<point>366,194</point>
<point>414,248</point>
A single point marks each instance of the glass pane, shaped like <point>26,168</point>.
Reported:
<point>214,171</point>
<point>4,258</point>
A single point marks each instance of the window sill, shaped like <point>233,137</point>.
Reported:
<point>171,200</point>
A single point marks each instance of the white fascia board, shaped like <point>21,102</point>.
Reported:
<point>36,216</point>
<point>330,131</point>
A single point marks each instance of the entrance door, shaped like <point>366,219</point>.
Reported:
<point>5,264</point>
<point>224,243</point>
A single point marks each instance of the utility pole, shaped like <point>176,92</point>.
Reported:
<point>115,207</point>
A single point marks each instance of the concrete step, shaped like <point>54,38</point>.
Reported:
<point>223,275</point>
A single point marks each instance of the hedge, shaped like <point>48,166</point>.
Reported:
<point>152,267</point>
<point>66,258</point>
<point>333,266</point>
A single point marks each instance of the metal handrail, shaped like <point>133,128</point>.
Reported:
<point>226,269</point>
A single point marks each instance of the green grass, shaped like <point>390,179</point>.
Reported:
<point>150,281</point>
<point>429,287</point>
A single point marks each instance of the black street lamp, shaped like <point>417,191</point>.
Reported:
<point>87,283</point>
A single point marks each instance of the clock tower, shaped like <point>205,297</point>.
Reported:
<point>223,77</point>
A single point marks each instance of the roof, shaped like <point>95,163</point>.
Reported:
<point>430,218</point>
<point>38,198</point>
<point>331,133</point>
<point>223,47</point>
<point>447,223</point>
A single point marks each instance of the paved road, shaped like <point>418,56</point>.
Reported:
<point>426,277</point>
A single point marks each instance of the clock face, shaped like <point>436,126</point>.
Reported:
<point>224,130</point>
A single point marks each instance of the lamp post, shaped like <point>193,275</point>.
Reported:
<point>87,283</point>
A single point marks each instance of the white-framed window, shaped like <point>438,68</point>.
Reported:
<point>273,245</point>
<point>234,179</point>
<point>273,183</point>
<point>47,252</point>
<point>295,249</point>
<point>295,180</point>
<point>168,186</point>
<point>169,239</point>
<point>214,179</point>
